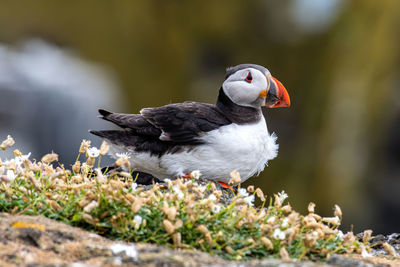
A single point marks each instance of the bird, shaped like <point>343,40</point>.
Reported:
<point>174,140</point>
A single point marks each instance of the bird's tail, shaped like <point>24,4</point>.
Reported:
<point>116,137</point>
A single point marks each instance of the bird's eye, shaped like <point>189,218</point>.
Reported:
<point>249,78</point>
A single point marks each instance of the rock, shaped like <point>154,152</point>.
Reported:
<point>39,241</point>
<point>336,260</point>
<point>379,240</point>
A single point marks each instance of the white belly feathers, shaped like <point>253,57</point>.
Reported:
<point>245,148</point>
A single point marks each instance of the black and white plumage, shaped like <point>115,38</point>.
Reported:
<point>176,139</point>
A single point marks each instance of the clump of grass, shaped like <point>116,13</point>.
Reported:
<point>183,213</point>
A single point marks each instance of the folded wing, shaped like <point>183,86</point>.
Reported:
<point>163,129</point>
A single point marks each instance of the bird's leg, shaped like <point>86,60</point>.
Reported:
<point>226,186</point>
<point>223,185</point>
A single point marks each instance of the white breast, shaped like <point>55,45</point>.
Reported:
<point>245,148</point>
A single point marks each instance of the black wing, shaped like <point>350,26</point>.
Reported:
<point>136,123</point>
<point>163,129</point>
<point>184,122</point>
<point>140,143</point>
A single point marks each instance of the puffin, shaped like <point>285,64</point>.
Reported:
<point>174,140</point>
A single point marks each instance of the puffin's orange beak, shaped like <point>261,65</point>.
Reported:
<point>277,95</point>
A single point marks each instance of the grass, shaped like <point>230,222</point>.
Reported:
<point>187,213</point>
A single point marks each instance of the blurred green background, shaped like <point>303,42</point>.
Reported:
<point>339,60</point>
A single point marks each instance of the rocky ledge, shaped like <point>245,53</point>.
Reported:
<point>39,241</point>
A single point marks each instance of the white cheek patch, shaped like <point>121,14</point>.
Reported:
<point>244,93</point>
<point>240,94</point>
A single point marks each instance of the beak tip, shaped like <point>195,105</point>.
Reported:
<point>283,95</point>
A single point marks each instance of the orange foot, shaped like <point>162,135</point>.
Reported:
<point>224,185</point>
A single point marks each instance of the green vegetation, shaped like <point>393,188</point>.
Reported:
<point>183,213</point>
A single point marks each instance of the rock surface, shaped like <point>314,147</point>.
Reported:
<point>39,241</point>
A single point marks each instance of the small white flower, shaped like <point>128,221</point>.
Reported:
<point>178,191</point>
<point>100,177</point>
<point>314,234</point>
<point>195,174</point>
<point>340,235</point>
<point>10,175</point>
<point>181,195</point>
<point>202,188</point>
<point>332,220</point>
<point>243,192</point>
<point>249,200</point>
<point>212,197</point>
<point>93,152</point>
<point>365,253</point>
<point>235,177</point>
<point>92,205</point>
<point>10,164</point>
<point>285,222</point>
<point>134,186</point>
<point>204,201</point>
<point>123,160</point>
<point>169,182</point>
<point>138,220</point>
<point>282,196</point>
<point>20,159</point>
<point>278,234</point>
<point>216,208</point>
<point>126,155</point>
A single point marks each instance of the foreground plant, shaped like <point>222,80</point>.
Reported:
<point>188,213</point>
